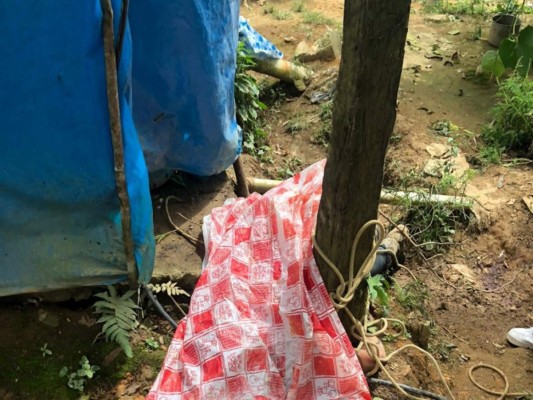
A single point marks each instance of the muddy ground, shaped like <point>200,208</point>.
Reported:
<point>469,307</point>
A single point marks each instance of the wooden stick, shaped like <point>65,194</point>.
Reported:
<point>242,182</point>
<point>116,138</point>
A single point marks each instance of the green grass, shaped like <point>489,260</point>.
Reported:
<point>276,13</point>
<point>297,6</point>
<point>316,18</point>
<point>512,127</point>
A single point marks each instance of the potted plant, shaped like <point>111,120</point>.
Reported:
<point>505,23</point>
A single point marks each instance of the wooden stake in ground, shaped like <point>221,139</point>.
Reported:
<point>364,113</point>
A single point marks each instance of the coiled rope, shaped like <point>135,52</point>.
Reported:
<point>345,293</point>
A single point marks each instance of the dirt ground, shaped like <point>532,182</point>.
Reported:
<point>469,311</point>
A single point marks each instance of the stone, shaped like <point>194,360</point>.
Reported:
<point>48,318</point>
<point>305,52</point>
<point>437,18</point>
<point>434,168</point>
<point>326,49</point>
<point>437,150</point>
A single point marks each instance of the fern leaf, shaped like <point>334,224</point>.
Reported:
<point>108,325</point>
<point>125,345</point>
<point>110,331</point>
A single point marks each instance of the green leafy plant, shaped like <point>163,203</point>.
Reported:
<point>412,296</point>
<point>443,127</point>
<point>78,379</point>
<point>292,165</point>
<point>490,155</point>
<point>118,316</point>
<point>512,127</point>
<point>152,343</point>
<point>508,7</point>
<point>378,290</point>
<point>247,102</point>
<point>45,350</point>
<point>514,52</point>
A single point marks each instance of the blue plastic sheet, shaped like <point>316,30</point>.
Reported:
<point>184,60</point>
<point>60,223</point>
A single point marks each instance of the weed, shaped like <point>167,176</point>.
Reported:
<point>119,317</point>
<point>443,127</point>
<point>45,350</point>
<point>412,296</point>
<point>512,127</point>
<point>442,350</point>
<point>247,102</point>
<point>490,155</point>
<point>292,165</point>
<point>295,125</point>
<point>297,6</point>
<point>78,379</point>
<point>378,290</point>
<point>316,18</point>
<point>431,223</point>
<point>323,134</point>
<point>459,7</point>
<point>151,343</point>
<point>280,15</point>
<point>476,34</point>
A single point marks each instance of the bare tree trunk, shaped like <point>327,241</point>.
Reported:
<point>364,113</point>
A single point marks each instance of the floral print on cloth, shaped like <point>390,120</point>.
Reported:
<point>261,324</point>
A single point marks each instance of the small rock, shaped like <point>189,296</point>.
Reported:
<point>48,318</point>
<point>147,373</point>
<point>528,201</point>
<point>326,49</point>
<point>305,52</point>
<point>289,39</point>
<point>434,168</point>
<point>437,18</point>
<point>437,150</point>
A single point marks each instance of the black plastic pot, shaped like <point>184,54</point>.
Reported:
<point>502,27</point>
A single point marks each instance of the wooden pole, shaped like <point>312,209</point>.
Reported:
<point>364,114</point>
<point>116,138</point>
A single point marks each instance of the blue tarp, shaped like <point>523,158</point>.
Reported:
<point>184,60</point>
<point>59,213</point>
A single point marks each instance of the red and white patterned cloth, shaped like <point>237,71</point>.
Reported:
<point>261,324</point>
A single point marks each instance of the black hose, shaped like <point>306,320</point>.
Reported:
<point>159,307</point>
<point>408,389</point>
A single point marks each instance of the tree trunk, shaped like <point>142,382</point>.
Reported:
<point>364,113</point>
